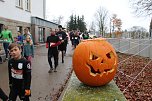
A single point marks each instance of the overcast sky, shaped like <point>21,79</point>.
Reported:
<point>88,8</point>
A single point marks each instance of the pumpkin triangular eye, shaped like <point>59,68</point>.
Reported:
<point>102,61</point>
<point>109,55</point>
<point>94,57</point>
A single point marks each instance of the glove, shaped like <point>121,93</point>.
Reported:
<point>46,45</point>
<point>27,92</point>
<point>51,44</point>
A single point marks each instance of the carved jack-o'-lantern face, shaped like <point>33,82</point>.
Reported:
<point>95,62</point>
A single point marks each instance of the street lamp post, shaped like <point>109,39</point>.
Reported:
<point>110,28</point>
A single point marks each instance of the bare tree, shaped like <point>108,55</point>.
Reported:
<point>58,20</point>
<point>138,32</point>
<point>150,29</point>
<point>93,27</point>
<point>142,7</point>
<point>117,23</point>
<point>101,19</point>
<point>113,20</point>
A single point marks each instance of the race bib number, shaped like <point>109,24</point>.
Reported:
<point>52,44</point>
<point>60,37</point>
<point>5,40</point>
<point>76,38</point>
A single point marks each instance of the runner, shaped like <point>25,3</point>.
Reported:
<point>52,42</point>
<point>6,36</point>
<point>63,37</point>
<point>19,74</point>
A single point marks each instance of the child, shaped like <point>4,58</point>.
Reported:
<point>28,48</point>
<point>19,74</point>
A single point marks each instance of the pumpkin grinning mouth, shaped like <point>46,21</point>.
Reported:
<point>93,71</point>
<point>98,71</point>
<point>106,70</point>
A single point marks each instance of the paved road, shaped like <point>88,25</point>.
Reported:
<point>44,85</point>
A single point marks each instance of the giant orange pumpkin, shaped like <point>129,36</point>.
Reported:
<point>95,62</point>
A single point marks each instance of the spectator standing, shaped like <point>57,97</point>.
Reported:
<point>26,32</point>
<point>19,38</point>
<point>28,48</point>
<point>15,40</point>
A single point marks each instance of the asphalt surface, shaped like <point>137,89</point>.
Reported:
<point>45,86</point>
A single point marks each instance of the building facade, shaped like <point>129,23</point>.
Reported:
<point>19,14</point>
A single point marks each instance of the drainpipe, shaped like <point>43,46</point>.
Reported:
<point>44,9</point>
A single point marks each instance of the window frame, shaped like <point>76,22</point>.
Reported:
<point>19,3</point>
<point>27,5</point>
<point>19,28</point>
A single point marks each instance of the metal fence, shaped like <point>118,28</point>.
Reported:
<point>141,47</point>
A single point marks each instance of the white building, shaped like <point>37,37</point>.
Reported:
<point>18,14</point>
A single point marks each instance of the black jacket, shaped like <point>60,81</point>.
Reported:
<point>53,39</point>
<point>62,36</point>
<point>19,73</point>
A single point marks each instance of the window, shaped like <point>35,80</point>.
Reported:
<point>19,3</point>
<point>19,28</point>
<point>29,29</point>
<point>27,5</point>
<point>1,46</point>
<point>41,32</point>
<point>1,27</point>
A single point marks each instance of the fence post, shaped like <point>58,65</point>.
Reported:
<point>150,54</point>
<point>139,43</point>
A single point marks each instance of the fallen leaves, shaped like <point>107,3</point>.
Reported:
<point>134,77</point>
